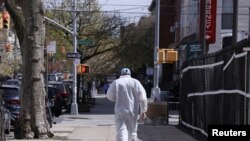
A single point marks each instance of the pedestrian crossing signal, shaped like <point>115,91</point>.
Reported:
<point>82,68</point>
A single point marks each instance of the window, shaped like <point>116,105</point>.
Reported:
<point>227,14</point>
<point>227,42</point>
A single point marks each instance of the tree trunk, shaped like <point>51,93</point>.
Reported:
<point>2,134</point>
<point>33,122</point>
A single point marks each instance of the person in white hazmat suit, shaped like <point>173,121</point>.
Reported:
<point>129,96</point>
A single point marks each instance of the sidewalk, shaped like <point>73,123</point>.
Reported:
<point>98,125</point>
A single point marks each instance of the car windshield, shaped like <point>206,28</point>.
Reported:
<point>52,77</point>
<point>58,86</point>
<point>13,82</point>
<point>15,109</point>
<point>8,92</point>
<point>51,92</point>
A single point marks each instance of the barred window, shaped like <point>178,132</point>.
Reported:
<point>227,14</point>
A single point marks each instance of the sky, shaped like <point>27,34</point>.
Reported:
<point>132,10</point>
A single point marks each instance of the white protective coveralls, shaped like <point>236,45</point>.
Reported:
<point>129,95</point>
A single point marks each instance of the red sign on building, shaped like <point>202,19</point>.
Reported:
<point>210,25</point>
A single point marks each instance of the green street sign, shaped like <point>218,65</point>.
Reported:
<point>193,50</point>
<point>85,42</point>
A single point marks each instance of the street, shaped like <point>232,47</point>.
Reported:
<point>99,125</point>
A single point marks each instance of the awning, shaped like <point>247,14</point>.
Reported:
<point>189,39</point>
<point>186,40</point>
<point>173,45</point>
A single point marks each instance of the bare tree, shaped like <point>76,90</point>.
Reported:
<point>28,17</point>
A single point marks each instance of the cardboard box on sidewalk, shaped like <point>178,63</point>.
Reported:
<point>157,111</point>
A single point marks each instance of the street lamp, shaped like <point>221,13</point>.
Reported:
<point>155,93</point>
<point>74,106</point>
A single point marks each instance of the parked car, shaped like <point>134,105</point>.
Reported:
<point>53,77</point>
<point>55,101</point>
<point>104,88</point>
<point>14,82</point>
<point>68,82</point>
<point>60,76</point>
<point>11,97</point>
<point>19,76</point>
<point>64,91</point>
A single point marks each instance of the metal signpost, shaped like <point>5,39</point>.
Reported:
<point>155,93</point>
<point>74,106</point>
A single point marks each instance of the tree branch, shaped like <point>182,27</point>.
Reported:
<point>17,18</point>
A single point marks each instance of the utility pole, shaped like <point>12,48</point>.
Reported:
<point>74,106</point>
<point>155,93</point>
<point>249,24</point>
<point>203,25</point>
<point>235,21</point>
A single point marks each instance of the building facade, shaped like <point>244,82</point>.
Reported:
<point>182,27</point>
<point>190,15</point>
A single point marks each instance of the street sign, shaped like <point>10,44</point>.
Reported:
<point>211,7</point>
<point>209,15</point>
<point>73,55</point>
<point>149,71</point>
<point>193,50</point>
<point>85,42</point>
<point>51,47</point>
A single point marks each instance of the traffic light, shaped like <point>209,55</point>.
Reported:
<point>1,21</point>
<point>167,56</point>
<point>8,48</point>
<point>6,20</point>
<point>172,56</point>
<point>161,53</point>
<point>85,69</point>
<point>82,68</point>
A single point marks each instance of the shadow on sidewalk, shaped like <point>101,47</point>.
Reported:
<point>197,135</point>
<point>102,106</point>
<point>167,132</point>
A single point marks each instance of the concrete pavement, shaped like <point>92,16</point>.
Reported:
<point>98,125</point>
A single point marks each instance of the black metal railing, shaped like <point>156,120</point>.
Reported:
<point>215,89</point>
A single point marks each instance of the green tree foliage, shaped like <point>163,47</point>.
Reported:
<point>100,29</point>
<point>136,46</point>
<point>9,66</point>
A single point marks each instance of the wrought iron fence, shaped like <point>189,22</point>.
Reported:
<point>215,89</point>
